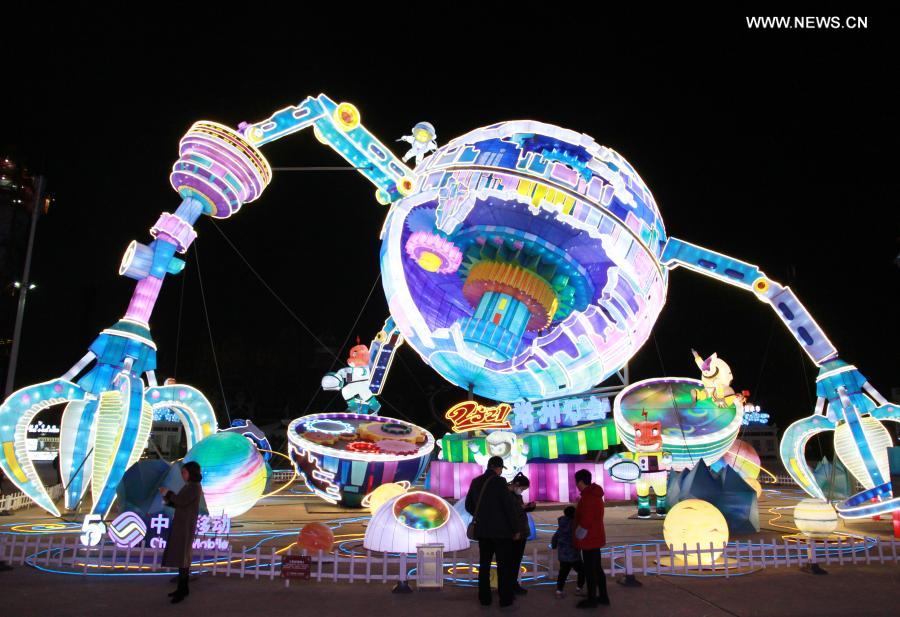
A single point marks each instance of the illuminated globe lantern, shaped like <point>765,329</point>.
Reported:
<point>692,523</point>
<point>691,429</point>
<point>315,537</point>
<point>234,473</point>
<point>524,263</point>
<point>815,518</point>
<point>744,458</point>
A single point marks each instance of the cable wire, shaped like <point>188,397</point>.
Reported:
<point>212,345</point>
<point>272,291</point>
<point>765,359</point>
<point>178,330</point>
<point>347,338</point>
<point>322,168</point>
<point>659,354</point>
<point>294,315</point>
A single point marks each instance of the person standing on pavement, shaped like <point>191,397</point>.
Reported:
<point>569,556</point>
<point>519,484</point>
<point>490,503</point>
<point>590,537</point>
<point>180,545</point>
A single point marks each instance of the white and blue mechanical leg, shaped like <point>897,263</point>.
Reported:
<point>338,125</point>
<point>381,352</point>
<point>747,276</point>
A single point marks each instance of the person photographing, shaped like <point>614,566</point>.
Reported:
<point>179,547</point>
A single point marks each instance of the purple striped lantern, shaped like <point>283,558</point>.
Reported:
<point>550,482</point>
<point>219,168</point>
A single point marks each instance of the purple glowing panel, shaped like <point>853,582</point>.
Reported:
<point>143,299</point>
<point>219,168</point>
<point>553,482</point>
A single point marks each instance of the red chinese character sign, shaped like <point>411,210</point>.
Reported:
<point>472,416</point>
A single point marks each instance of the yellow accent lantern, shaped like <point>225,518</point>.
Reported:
<point>382,197</point>
<point>755,485</point>
<point>346,116</point>
<point>383,494</point>
<point>692,522</point>
<point>429,262</point>
<point>405,186</point>
<point>815,518</point>
<point>318,135</point>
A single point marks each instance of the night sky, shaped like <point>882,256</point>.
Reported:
<point>778,148</point>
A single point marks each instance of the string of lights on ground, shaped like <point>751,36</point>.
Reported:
<point>348,544</point>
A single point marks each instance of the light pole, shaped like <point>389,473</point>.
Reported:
<point>25,287</point>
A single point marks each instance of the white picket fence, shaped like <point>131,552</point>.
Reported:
<point>784,480</point>
<point>280,476</point>
<point>67,554</point>
<point>16,501</point>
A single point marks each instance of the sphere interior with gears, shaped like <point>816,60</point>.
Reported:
<point>526,261</point>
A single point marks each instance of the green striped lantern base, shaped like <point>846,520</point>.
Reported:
<point>549,445</point>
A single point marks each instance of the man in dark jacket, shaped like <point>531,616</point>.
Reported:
<point>590,537</point>
<point>493,512</point>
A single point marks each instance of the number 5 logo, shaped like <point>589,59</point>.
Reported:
<point>92,529</point>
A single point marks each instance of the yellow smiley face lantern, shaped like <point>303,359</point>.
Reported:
<point>692,522</point>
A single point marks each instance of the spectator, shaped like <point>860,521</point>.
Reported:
<point>6,488</point>
<point>56,469</point>
<point>179,547</point>
<point>493,514</point>
<point>569,557</point>
<point>519,484</point>
<point>590,536</point>
<point>4,567</point>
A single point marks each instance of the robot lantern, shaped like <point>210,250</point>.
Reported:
<point>354,381</point>
<point>647,466</point>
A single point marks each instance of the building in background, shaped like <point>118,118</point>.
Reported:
<point>167,438</point>
<point>42,440</point>
<point>16,202</point>
<point>764,439</point>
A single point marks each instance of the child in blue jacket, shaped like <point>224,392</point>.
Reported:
<point>569,556</point>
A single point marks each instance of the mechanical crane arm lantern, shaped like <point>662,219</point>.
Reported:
<point>521,260</point>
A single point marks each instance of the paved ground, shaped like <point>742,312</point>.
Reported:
<point>861,591</point>
<point>852,591</point>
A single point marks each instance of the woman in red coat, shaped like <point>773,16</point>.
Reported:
<point>590,537</point>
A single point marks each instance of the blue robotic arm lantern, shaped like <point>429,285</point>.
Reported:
<point>521,260</point>
<point>846,403</point>
<point>109,409</point>
<point>853,410</point>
